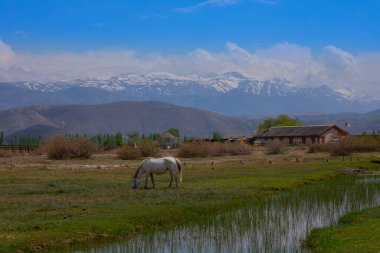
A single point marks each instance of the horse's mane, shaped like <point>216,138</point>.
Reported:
<point>141,165</point>
<point>138,169</point>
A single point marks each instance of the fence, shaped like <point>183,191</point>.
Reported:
<point>20,148</point>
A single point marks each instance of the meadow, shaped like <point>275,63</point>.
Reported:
<point>68,204</point>
<point>356,232</point>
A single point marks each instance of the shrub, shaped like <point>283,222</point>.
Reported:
<point>206,149</point>
<point>128,153</point>
<point>215,149</point>
<point>349,145</point>
<point>82,148</point>
<point>275,147</point>
<point>341,148</point>
<point>148,148</point>
<point>364,143</point>
<point>316,148</point>
<point>5,153</point>
<point>355,144</point>
<point>192,149</point>
<point>59,148</point>
<point>236,149</point>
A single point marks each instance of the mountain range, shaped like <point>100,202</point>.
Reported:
<point>230,93</point>
<point>152,117</point>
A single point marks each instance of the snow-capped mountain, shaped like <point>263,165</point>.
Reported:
<point>230,93</point>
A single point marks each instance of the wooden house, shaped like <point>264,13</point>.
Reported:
<point>295,135</point>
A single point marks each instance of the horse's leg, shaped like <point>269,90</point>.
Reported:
<point>151,177</point>
<point>146,180</point>
<point>176,179</point>
<point>171,179</point>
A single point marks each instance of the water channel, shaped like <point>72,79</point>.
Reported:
<point>276,224</point>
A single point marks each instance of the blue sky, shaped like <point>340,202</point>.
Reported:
<point>309,42</point>
<point>181,26</point>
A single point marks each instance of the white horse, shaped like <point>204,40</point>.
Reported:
<point>158,166</point>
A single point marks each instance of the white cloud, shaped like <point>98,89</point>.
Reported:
<point>286,52</point>
<point>339,66</point>
<point>6,55</point>
<point>208,3</point>
<point>334,66</point>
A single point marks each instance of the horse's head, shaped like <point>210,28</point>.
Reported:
<point>135,182</point>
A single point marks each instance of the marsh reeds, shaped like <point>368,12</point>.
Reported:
<point>276,224</point>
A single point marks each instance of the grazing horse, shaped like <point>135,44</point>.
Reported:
<point>158,166</point>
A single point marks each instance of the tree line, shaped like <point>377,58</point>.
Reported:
<point>101,139</point>
<point>118,139</point>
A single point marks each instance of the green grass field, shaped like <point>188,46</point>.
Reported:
<point>356,232</point>
<point>56,204</point>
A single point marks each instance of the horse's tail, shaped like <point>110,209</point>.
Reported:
<point>179,166</point>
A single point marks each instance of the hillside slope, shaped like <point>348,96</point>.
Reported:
<point>124,117</point>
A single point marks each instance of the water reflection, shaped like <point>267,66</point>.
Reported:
<point>277,224</point>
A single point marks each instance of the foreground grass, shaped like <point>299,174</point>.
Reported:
<point>356,232</point>
<point>43,208</point>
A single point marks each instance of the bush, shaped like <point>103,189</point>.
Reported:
<point>82,148</point>
<point>349,145</point>
<point>148,148</point>
<point>128,153</point>
<point>193,149</point>
<point>275,147</point>
<point>355,144</point>
<point>207,149</point>
<point>364,143</point>
<point>341,148</point>
<point>61,147</point>
<point>236,149</point>
<point>316,148</point>
<point>5,153</point>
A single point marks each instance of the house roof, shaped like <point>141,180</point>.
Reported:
<point>289,131</point>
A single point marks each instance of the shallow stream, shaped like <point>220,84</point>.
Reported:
<point>276,224</point>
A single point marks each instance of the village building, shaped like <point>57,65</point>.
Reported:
<point>168,141</point>
<point>296,135</point>
<point>228,140</point>
<point>238,140</point>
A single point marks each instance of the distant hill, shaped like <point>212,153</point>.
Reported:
<point>124,117</point>
<point>44,131</point>
<point>152,117</point>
